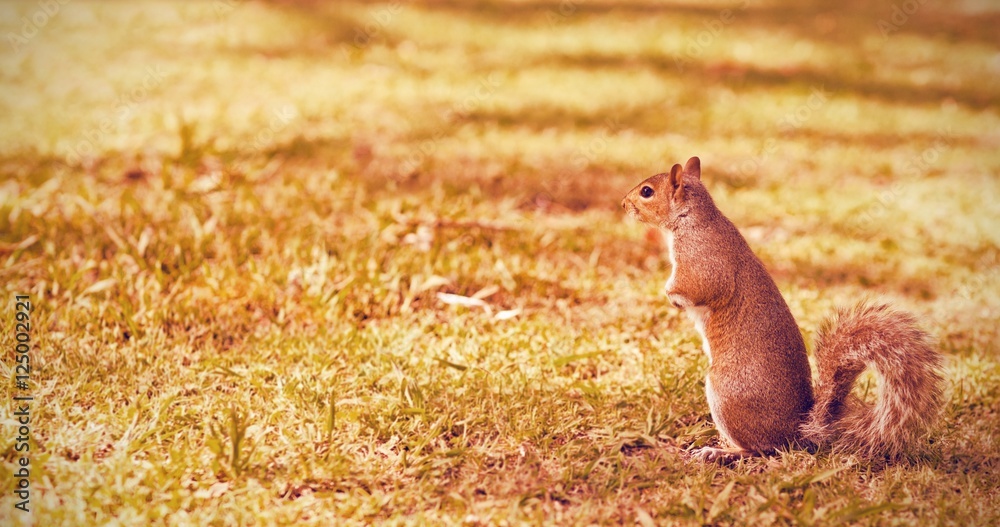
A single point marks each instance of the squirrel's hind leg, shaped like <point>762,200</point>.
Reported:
<point>724,456</point>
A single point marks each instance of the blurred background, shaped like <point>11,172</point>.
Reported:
<point>572,100</point>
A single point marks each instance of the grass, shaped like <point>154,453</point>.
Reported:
<point>234,218</point>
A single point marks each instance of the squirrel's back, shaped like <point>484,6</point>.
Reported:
<point>749,334</point>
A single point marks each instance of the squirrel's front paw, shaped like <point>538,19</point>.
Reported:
<point>724,456</point>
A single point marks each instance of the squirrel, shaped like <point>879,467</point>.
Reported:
<point>759,384</point>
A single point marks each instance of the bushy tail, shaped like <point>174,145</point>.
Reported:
<point>909,388</point>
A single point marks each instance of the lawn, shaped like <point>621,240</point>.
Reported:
<point>247,231</point>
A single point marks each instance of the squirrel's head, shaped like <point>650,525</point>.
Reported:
<point>662,197</point>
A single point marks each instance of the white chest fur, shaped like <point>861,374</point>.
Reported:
<point>698,314</point>
<point>715,406</point>
<point>673,260</point>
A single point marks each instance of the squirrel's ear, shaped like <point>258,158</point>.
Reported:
<point>693,167</point>
<point>677,182</point>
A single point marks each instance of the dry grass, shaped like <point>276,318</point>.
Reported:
<point>234,218</point>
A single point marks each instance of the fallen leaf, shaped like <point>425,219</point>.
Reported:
<point>97,287</point>
<point>432,282</point>
<point>486,292</point>
<point>460,300</point>
<point>507,314</point>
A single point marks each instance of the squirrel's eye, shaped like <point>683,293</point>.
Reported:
<point>646,192</point>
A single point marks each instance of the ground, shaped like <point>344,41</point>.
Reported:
<point>233,221</point>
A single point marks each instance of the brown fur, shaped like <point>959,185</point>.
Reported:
<point>909,393</point>
<point>759,382</point>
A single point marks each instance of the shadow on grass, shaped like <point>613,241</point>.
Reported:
<point>812,274</point>
<point>843,26</point>
<point>743,77</point>
<point>827,20</point>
